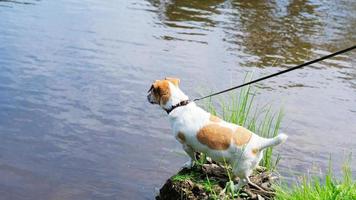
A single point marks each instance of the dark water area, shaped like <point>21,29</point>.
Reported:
<point>74,120</point>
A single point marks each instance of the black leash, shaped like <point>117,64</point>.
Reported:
<point>281,72</point>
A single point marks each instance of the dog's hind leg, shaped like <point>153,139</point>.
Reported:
<point>190,151</point>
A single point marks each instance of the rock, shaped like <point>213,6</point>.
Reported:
<point>195,186</point>
<point>214,170</point>
<point>266,185</point>
<point>198,190</point>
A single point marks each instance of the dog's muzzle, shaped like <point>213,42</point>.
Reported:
<point>149,99</point>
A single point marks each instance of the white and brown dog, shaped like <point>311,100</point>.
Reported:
<point>199,131</point>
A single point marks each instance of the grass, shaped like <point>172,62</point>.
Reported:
<point>210,189</point>
<point>196,177</point>
<point>209,184</point>
<point>242,110</point>
<point>315,189</point>
<point>191,175</point>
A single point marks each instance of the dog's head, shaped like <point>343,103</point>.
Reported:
<point>166,93</point>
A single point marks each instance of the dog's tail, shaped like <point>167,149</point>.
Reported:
<point>270,142</point>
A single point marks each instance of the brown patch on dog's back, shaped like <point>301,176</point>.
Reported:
<point>214,118</point>
<point>161,91</point>
<point>242,136</point>
<point>181,137</point>
<point>215,136</point>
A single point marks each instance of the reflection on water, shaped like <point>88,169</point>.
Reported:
<point>267,30</point>
<point>74,121</point>
<point>269,33</point>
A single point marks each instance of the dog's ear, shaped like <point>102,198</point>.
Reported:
<point>155,87</point>
<point>175,81</point>
<point>151,88</point>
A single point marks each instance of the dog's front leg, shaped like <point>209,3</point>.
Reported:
<point>190,151</point>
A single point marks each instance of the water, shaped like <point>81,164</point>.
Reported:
<point>74,121</point>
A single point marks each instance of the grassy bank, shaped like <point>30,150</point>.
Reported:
<point>314,189</point>
<point>326,187</point>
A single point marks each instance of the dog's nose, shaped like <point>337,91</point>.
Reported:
<point>148,98</point>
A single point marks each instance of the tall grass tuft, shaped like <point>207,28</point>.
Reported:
<point>242,110</point>
<point>315,189</point>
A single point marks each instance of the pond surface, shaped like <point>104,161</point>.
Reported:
<point>74,120</point>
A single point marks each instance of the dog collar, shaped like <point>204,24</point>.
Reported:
<point>182,103</point>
